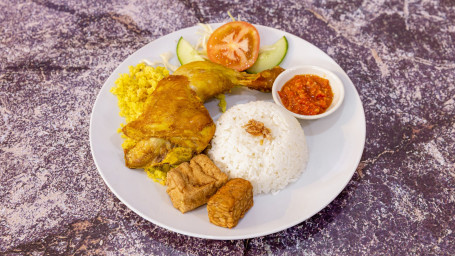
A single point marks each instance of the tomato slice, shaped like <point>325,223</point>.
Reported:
<point>234,45</point>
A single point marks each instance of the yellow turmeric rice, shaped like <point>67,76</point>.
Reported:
<point>132,91</point>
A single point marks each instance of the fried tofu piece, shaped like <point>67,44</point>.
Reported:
<point>230,203</point>
<point>190,185</point>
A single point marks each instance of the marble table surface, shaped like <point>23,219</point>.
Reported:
<point>56,55</point>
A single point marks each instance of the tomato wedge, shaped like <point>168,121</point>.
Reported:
<point>234,45</point>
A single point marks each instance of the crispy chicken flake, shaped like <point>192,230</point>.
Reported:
<point>257,128</point>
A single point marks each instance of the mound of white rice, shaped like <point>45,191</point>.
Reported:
<point>270,166</point>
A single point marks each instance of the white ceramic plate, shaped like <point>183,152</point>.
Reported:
<point>335,146</point>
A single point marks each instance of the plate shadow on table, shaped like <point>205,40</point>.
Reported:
<point>312,226</point>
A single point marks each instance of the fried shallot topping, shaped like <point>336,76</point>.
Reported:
<point>257,128</point>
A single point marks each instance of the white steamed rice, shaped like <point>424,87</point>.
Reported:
<point>269,167</point>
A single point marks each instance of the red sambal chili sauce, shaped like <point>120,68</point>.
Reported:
<point>306,94</point>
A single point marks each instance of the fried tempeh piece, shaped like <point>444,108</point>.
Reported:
<point>230,203</point>
<point>190,185</point>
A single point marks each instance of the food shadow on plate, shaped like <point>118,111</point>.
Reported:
<point>324,137</point>
<point>325,123</point>
<point>276,207</point>
<point>237,95</point>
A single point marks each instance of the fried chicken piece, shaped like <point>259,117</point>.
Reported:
<point>209,79</point>
<point>230,203</point>
<point>174,120</point>
<point>190,185</point>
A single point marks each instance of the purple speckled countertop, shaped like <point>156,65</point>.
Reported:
<point>56,55</point>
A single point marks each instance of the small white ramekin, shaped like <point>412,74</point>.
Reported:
<point>335,83</point>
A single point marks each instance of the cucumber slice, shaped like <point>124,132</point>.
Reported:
<point>186,53</point>
<point>270,58</point>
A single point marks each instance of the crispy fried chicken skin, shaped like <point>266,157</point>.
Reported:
<point>230,203</point>
<point>190,185</point>
<point>174,119</point>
